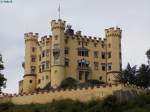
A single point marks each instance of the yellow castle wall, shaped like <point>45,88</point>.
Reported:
<point>78,94</point>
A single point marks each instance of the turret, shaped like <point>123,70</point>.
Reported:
<point>114,61</point>
<point>30,62</point>
<point>57,57</point>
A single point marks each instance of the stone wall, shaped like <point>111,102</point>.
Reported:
<point>81,94</point>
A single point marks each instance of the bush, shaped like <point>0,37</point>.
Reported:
<point>68,83</point>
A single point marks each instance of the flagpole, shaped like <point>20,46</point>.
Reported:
<point>59,11</point>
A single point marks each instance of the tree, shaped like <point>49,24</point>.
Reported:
<point>68,83</point>
<point>148,56</point>
<point>2,78</point>
<point>143,75</point>
<point>127,76</point>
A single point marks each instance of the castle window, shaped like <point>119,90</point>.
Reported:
<point>82,52</point>
<point>95,54</point>
<point>66,41</point>
<point>79,42</point>
<point>103,66</point>
<point>96,65</point>
<point>47,64</point>
<point>80,75</point>
<point>40,70</point>
<point>109,54</point>
<point>39,81</point>
<point>66,51</point>
<point>47,52</point>
<point>30,81</point>
<point>66,62</point>
<point>43,65</point>
<point>33,58</point>
<point>103,55</point>
<point>43,53</point>
<point>33,69</point>
<point>86,43</point>
<point>33,49</point>
<point>39,57</point>
<point>42,77</point>
<point>109,45</point>
<point>109,65</point>
<point>100,78</point>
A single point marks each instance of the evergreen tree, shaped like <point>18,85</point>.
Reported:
<point>143,76</point>
<point>2,78</point>
<point>148,56</point>
<point>128,75</point>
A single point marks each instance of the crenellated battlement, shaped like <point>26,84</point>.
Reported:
<point>87,38</point>
<point>58,24</point>
<point>113,31</point>
<point>78,93</point>
<point>31,36</point>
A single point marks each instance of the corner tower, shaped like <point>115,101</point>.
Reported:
<point>29,82</point>
<point>57,57</point>
<point>114,60</point>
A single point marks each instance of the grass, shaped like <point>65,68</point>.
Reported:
<point>109,104</point>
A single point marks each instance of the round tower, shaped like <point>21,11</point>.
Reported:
<point>57,57</point>
<point>29,82</point>
<point>114,61</point>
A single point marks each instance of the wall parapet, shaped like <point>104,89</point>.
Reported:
<point>82,94</point>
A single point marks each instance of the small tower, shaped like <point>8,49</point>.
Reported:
<point>57,57</point>
<point>29,82</point>
<point>114,61</point>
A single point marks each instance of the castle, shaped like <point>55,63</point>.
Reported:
<point>63,54</point>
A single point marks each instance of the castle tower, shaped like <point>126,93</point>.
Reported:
<point>57,57</point>
<point>114,61</point>
<point>29,82</point>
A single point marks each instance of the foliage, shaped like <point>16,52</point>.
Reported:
<point>2,78</point>
<point>131,75</point>
<point>109,104</point>
<point>68,83</point>
<point>148,54</point>
<point>128,75</point>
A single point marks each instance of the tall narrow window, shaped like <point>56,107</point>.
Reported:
<point>43,53</point>
<point>109,54</point>
<point>43,65</point>
<point>109,66</point>
<point>33,69</point>
<point>66,51</point>
<point>103,55</point>
<point>95,54</point>
<point>47,52</point>
<point>47,64</point>
<point>33,49</point>
<point>33,58</point>
<point>66,62</point>
<point>96,65</point>
<point>103,66</point>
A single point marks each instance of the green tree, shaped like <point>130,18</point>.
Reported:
<point>143,75</point>
<point>148,56</point>
<point>2,78</point>
<point>127,76</point>
<point>68,82</point>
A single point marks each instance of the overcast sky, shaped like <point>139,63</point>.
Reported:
<point>89,16</point>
